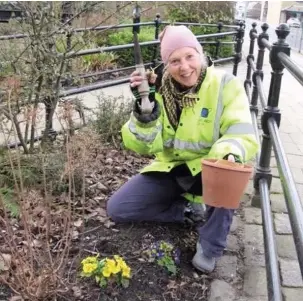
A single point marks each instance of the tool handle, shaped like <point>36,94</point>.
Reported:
<point>143,89</point>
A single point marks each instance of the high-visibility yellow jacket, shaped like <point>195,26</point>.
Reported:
<point>218,124</point>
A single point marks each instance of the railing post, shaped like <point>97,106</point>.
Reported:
<point>136,18</point>
<point>67,14</point>
<point>263,173</point>
<point>259,65</point>
<point>262,169</point>
<point>220,26</point>
<point>272,110</point>
<point>157,27</point>
<point>250,56</point>
<point>238,54</point>
<point>275,85</point>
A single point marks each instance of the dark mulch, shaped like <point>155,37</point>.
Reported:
<point>110,168</point>
<point>149,281</point>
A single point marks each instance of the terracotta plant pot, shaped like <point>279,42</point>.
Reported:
<point>224,182</point>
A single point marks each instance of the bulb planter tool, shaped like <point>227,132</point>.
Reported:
<point>146,106</point>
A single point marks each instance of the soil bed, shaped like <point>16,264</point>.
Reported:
<point>110,168</point>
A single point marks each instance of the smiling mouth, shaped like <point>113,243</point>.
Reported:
<point>187,75</point>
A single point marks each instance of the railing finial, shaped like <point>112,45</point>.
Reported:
<point>282,32</point>
<point>252,32</point>
<point>220,26</point>
<point>263,35</point>
<point>238,48</point>
<point>264,27</point>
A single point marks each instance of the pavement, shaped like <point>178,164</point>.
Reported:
<point>291,134</point>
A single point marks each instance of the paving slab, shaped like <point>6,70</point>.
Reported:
<point>278,203</point>
<point>286,247</point>
<point>282,223</point>
<point>290,273</point>
<point>255,282</point>
<point>292,294</point>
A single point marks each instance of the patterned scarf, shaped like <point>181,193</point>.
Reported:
<point>174,98</point>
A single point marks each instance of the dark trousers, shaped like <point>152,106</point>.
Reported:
<point>157,197</point>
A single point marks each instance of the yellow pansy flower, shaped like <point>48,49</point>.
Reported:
<point>106,272</point>
<point>118,258</point>
<point>112,266</point>
<point>120,262</point>
<point>123,266</point>
<point>89,259</point>
<point>126,272</point>
<point>89,267</point>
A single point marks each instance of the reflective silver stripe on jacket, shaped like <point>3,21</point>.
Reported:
<point>186,145</point>
<point>240,129</point>
<point>226,78</point>
<point>237,144</point>
<point>199,146</point>
<point>169,143</point>
<point>144,137</point>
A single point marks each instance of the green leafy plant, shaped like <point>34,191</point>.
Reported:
<point>224,50</point>
<point>9,202</point>
<point>165,255</point>
<point>202,11</point>
<point>125,36</point>
<point>107,270</point>
<point>210,12</point>
<point>110,115</point>
<point>99,61</point>
<point>77,43</point>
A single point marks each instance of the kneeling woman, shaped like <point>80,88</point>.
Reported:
<point>199,112</point>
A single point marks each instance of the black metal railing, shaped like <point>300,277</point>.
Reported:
<point>68,82</point>
<point>279,53</point>
<point>236,31</point>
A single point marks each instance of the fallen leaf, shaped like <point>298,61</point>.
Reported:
<point>5,262</point>
<point>141,259</point>
<point>16,298</point>
<point>75,235</point>
<point>101,187</point>
<point>102,219</point>
<point>172,285</point>
<point>77,291</point>
<point>109,224</point>
<point>101,211</point>
<point>78,223</point>
<point>37,243</point>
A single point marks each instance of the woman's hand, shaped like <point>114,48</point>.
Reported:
<point>231,158</point>
<point>136,78</point>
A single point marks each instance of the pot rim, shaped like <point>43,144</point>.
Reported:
<point>234,166</point>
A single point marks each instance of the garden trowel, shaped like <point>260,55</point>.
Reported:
<point>146,106</point>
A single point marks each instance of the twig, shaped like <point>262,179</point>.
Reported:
<point>75,16</point>
<point>92,230</point>
<point>103,30</point>
<point>91,252</point>
<point>137,271</point>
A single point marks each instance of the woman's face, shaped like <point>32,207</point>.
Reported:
<point>185,66</point>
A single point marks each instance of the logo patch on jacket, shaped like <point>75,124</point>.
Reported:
<point>204,112</point>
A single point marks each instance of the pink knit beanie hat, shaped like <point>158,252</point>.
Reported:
<point>175,37</point>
